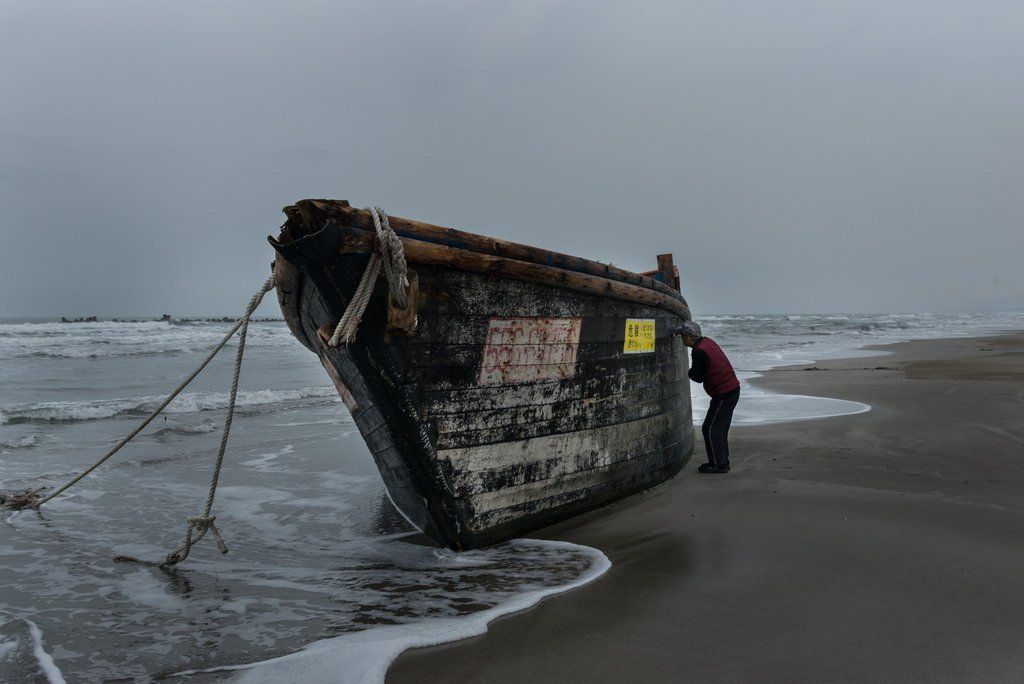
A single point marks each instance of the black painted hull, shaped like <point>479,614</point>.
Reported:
<point>515,404</point>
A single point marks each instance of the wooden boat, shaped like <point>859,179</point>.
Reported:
<point>518,387</point>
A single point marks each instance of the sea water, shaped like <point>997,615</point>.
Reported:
<point>756,343</point>
<point>323,575</point>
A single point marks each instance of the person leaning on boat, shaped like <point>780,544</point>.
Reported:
<point>712,368</point>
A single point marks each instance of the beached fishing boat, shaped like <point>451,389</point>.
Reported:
<point>512,388</point>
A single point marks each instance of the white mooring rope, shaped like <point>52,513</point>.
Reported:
<point>198,525</point>
<point>388,252</point>
<point>201,524</point>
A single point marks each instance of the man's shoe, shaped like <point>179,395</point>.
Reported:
<point>705,467</point>
<point>708,468</point>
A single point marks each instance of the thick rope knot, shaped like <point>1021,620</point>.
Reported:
<point>198,526</point>
<point>393,256</point>
<point>201,523</point>
<point>388,254</point>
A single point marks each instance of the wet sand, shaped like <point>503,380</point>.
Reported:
<point>887,545</point>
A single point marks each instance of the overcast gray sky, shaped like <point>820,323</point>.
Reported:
<point>795,156</point>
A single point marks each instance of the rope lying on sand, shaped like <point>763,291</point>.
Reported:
<point>388,253</point>
<point>198,525</point>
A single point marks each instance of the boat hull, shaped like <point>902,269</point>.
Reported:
<point>514,404</point>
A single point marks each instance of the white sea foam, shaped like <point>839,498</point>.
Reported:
<point>189,429</point>
<point>188,402</point>
<point>110,339</point>
<point>363,657</point>
<point>316,543</point>
<point>47,667</point>
<point>261,461</point>
<point>758,407</point>
<point>20,442</point>
<point>762,342</point>
<point>150,592</point>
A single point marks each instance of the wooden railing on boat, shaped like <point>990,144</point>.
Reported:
<point>428,244</point>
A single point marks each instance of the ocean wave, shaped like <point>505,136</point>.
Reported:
<point>108,339</point>
<point>764,328</point>
<point>21,442</point>
<point>51,327</point>
<point>188,429</point>
<point>364,656</point>
<point>189,402</point>
<point>92,353</point>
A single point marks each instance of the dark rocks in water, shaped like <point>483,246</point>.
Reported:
<point>166,318</point>
<point>90,319</point>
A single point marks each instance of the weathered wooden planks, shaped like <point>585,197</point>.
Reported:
<point>516,403</point>
<point>625,437</point>
<point>313,213</point>
<point>640,473</point>
<point>488,423</point>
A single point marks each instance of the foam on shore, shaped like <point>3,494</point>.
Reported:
<point>365,656</point>
<point>187,402</point>
<point>758,406</point>
<point>47,667</point>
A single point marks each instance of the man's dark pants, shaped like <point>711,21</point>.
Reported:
<point>716,427</point>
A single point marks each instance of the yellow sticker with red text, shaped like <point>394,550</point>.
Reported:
<point>639,336</point>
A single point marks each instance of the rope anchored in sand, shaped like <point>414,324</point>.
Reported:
<point>198,525</point>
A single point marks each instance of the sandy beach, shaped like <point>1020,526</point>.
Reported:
<point>880,546</point>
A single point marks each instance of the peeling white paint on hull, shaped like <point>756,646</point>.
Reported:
<point>516,403</point>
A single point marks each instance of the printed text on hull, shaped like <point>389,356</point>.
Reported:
<point>516,387</point>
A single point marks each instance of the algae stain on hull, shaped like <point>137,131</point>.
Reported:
<point>520,400</point>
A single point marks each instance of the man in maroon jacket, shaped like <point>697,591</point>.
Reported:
<point>711,367</point>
